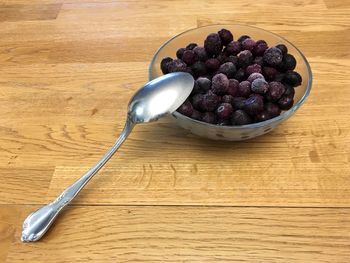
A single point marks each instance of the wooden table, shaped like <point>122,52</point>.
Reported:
<point>67,70</point>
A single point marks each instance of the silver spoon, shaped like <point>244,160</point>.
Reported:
<point>157,98</point>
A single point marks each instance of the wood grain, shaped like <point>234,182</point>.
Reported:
<point>67,71</point>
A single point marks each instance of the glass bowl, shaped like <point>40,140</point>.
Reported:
<point>242,132</point>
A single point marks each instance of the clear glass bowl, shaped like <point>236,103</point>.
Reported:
<point>243,132</point>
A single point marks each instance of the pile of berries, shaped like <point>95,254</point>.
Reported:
<point>236,82</point>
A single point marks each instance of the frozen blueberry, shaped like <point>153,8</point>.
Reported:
<point>210,101</point>
<point>285,102</point>
<point>269,73</point>
<point>199,69</point>
<point>258,60</point>
<point>289,91</point>
<point>276,90</point>
<point>288,63</point>
<point>233,59</point>
<point>212,64</point>
<point>259,86</point>
<point>283,48</point>
<point>244,89</point>
<point>238,103</point>
<point>164,64</point>
<point>197,101</point>
<point>240,74</point>
<point>186,108</point>
<point>225,36</point>
<point>273,56</point>
<point>232,87</point>
<point>189,57</point>
<point>272,109</point>
<point>292,78</point>
<point>260,49</point>
<point>240,117</point>
<point>196,89</point>
<point>261,41</point>
<point>201,53</point>
<point>255,76</point>
<point>224,111</point>
<point>279,76</point>
<point>180,52</point>
<point>248,44</point>
<point>228,68</point>
<point>233,48</point>
<point>245,58</point>
<point>209,117</point>
<point>262,116</point>
<point>219,84</point>
<point>191,46</point>
<point>212,44</point>
<point>243,37</point>
<point>177,65</point>
<point>253,105</point>
<point>204,84</point>
<point>197,115</point>
<point>222,58</point>
<point>227,99</point>
<point>254,68</point>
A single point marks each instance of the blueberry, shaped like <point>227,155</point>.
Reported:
<point>233,59</point>
<point>279,76</point>
<point>210,101</point>
<point>260,49</point>
<point>209,117</point>
<point>273,56</point>
<point>240,117</point>
<point>259,86</point>
<point>220,84</point>
<point>191,46</point>
<point>262,116</point>
<point>269,73</point>
<point>276,90</point>
<point>189,57</point>
<point>180,52</point>
<point>177,65</point>
<point>212,64</point>
<point>238,103</point>
<point>258,60</point>
<point>164,64</point>
<point>288,63</point>
<point>196,115</point>
<point>292,78</point>
<point>227,99</point>
<point>233,48</point>
<point>245,58</point>
<point>244,89</point>
<point>253,105</point>
<point>225,36</point>
<point>248,44</point>
<point>261,41</point>
<point>283,48</point>
<point>243,37</point>
<point>228,68</point>
<point>240,74</point>
<point>196,89</point>
<point>289,91</point>
<point>201,53</point>
<point>285,102</point>
<point>204,84</point>
<point>224,111</point>
<point>255,76</point>
<point>232,87</point>
<point>222,58</point>
<point>199,69</point>
<point>254,68</point>
<point>272,109</point>
<point>197,101</point>
<point>212,44</point>
<point>186,108</point>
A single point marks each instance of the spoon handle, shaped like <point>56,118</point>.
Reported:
<point>38,222</point>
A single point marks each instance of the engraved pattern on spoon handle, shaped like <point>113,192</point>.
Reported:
<point>37,223</point>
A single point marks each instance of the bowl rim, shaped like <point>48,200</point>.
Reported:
<point>284,115</point>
